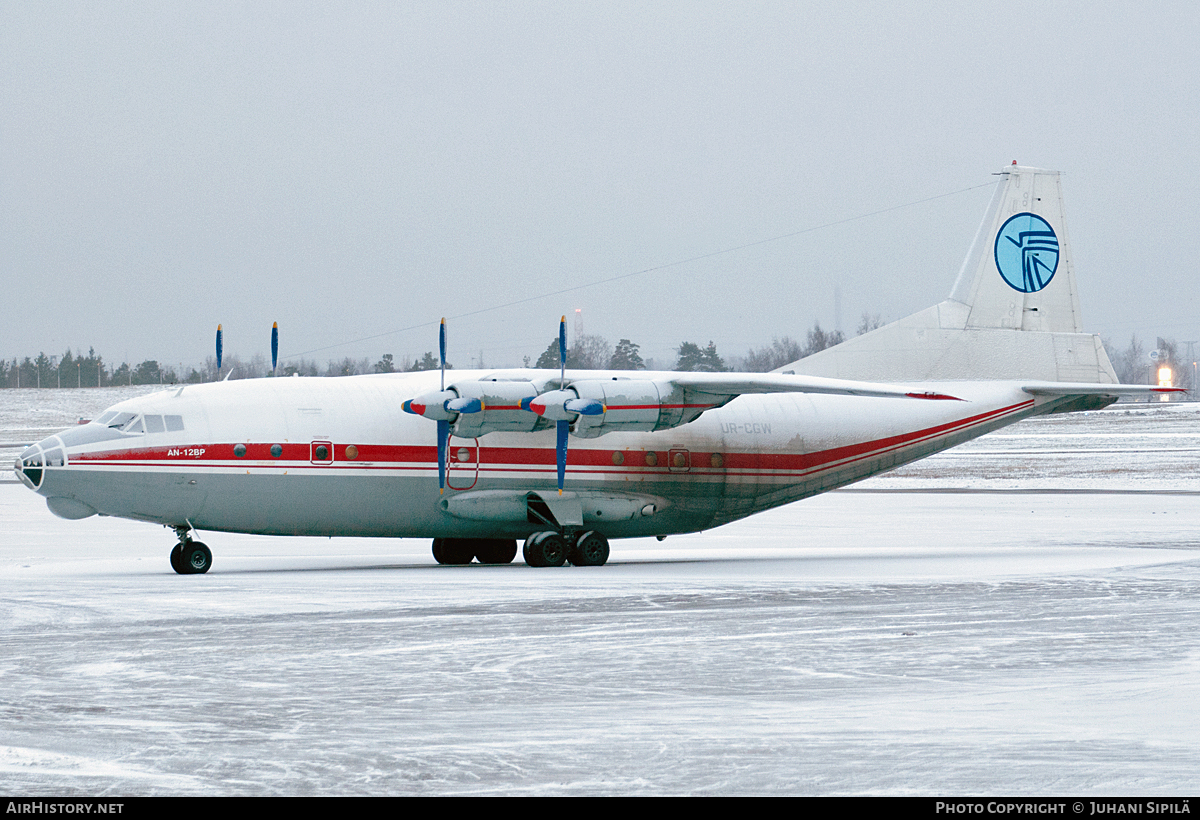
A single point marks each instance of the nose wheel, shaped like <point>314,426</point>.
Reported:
<point>190,557</point>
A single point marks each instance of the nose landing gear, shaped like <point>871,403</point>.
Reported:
<point>190,557</point>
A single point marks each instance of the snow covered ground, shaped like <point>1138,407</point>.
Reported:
<point>965,625</point>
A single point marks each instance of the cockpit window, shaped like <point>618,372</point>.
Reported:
<point>133,423</point>
<point>119,420</point>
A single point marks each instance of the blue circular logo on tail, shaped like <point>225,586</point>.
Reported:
<point>1027,252</point>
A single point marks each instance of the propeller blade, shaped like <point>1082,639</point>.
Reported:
<point>586,407</point>
<point>443,434</point>
<point>465,405</point>
<point>562,355</point>
<point>563,428</point>
<point>274,346</point>
<point>442,350</point>
<point>218,348</point>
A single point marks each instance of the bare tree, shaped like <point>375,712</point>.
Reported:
<point>781,351</point>
<point>819,339</point>
<point>590,352</point>
<point>868,323</point>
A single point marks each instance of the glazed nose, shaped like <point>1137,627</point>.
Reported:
<point>29,467</point>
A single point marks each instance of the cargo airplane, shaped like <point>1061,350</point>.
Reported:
<point>568,460</point>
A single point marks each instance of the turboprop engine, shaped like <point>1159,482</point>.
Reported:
<point>600,406</point>
<point>593,407</point>
<point>491,406</point>
<point>587,408</point>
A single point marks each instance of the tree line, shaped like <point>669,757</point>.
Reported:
<point>589,352</point>
<point>1133,364</point>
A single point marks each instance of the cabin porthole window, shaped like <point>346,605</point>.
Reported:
<point>276,450</point>
<point>239,450</point>
<point>651,459</point>
<point>351,452</point>
<point>618,457</point>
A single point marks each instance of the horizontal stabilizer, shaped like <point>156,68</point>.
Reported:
<point>1080,389</point>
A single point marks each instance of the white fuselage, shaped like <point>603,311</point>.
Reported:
<point>337,456</point>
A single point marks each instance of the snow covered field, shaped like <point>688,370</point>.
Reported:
<point>964,625</point>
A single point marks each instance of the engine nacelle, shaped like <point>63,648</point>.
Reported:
<point>630,405</point>
<point>492,406</point>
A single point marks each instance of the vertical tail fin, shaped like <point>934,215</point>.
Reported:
<point>1013,312</point>
<point>1019,273</point>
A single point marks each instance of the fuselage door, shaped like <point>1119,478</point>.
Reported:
<point>462,462</point>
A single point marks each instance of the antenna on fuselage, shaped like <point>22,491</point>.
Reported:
<point>218,352</point>
<point>274,346</point>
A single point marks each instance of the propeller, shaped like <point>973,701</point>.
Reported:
<point>437,406</point>
<point>562,426</point>
<point>562,406</point>
<point>274,346</point>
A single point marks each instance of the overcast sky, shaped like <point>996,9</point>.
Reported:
<point>351,170</point>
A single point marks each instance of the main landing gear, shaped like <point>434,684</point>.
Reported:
<point>190,557</point>
<point>465,550</point>
<point>553,549</point>
<point>542,549</point>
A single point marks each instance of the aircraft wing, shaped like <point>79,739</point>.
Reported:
<point>736,384</point>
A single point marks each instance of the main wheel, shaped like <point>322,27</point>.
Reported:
<point>197,558</point>
<point>545,549</point>
<point>589,550</point>
<point>495,550</point>
<point>177,560</point>
<point>453,551</point>
<point>439,550</point>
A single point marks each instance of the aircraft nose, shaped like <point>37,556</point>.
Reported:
<point>28,467</point>
<point>31,466</point>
